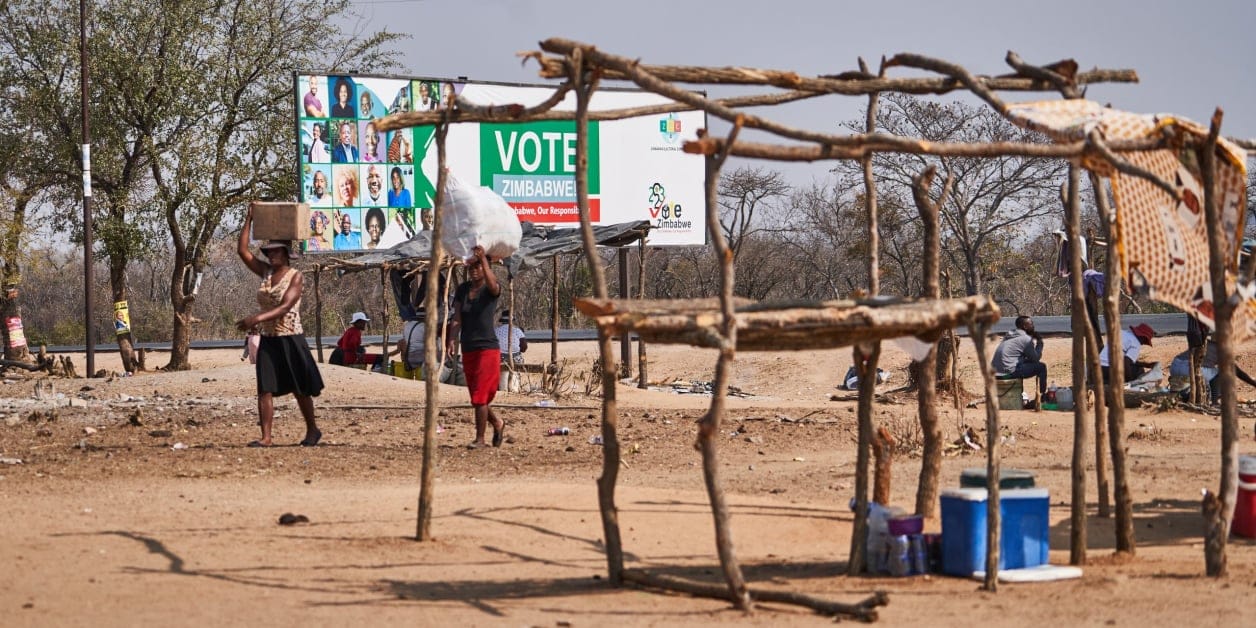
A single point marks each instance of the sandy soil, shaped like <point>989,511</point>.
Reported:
<point>174,521</point>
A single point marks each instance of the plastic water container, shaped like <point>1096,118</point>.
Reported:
<point>1023,540</point>
<point>508,381</point>
<point>1064,399</point>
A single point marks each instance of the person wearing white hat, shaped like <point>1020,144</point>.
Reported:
<point>511,339</point>
<point>284,362</point>
<point>350,346</point>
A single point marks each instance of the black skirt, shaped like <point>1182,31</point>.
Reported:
<point>285,365</point>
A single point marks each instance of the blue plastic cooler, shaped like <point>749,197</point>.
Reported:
<point>1024,540</point>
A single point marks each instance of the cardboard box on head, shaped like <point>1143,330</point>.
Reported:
<point>280,221</point>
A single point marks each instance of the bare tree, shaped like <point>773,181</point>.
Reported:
<point>991,198</point>
<point>751,203</point>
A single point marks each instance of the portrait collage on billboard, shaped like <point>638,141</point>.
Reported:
<point>364,187</point>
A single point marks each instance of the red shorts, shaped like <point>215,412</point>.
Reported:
<point>482,369</point>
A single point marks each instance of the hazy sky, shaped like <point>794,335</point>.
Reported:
<point>1190,58</point>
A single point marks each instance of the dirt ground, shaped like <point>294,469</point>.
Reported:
<point>174,521</point>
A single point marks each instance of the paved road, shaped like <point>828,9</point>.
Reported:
<point>1164,324</point>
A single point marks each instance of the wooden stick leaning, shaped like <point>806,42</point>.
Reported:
<point>725,337</point>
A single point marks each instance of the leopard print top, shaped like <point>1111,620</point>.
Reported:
<point>269,296</point>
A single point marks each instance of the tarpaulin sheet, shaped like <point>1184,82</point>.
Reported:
<point>538,244</point>
<point>1162,242</point>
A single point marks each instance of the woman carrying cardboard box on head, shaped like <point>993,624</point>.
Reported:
<point>284,362</point>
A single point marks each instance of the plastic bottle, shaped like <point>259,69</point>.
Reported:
<point>899,560</point>
<point>558,431</point>
<point>919,554</point>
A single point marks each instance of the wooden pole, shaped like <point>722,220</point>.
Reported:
<point>510,331</point>
<point>431,362</point>
<point>927,377</point>
<point>866,357</point>
<point>1093,347</point>
<point>642,380</point>
<point>625,292</point>
<point>384,291</point>
<point>318,311</point>
<point>1080,323</point>
<point>606,483</point>
<point>551,371</point>
<point>1115,387</point>
<point>1218,516</point>
<point>709,424</point>
<point>978,331</point>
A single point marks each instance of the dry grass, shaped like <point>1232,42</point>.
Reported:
<point>1148,432</point>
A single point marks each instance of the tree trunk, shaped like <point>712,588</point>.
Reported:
<point>11,283</point>
<point>118,285</point>
<point>181,338</point>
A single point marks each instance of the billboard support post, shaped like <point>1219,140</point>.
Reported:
<point>625,340</point>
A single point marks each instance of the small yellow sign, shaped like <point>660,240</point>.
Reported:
<point>121,318</point>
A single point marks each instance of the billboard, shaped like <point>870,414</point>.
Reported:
<point>370,190</point>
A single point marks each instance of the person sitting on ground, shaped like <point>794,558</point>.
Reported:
<point>1132,341</point>
<point>412,345</point>
<point>510,339</point>
<point>851,381</point>
<point>1180,370</point>
<point>350,345</point>
<point>1019,355</point>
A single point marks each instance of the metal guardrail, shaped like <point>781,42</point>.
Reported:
<point>1164,324</point>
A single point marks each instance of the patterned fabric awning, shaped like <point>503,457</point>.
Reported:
<point>1162,241</point>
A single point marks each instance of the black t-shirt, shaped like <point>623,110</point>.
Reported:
<point>478,316</point>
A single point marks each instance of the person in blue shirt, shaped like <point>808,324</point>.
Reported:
<point>346,238</point>
<point>398,195</point>
<point>345,152</point>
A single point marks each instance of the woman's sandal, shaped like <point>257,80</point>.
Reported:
<point>257,443</point>
<point>497,434</point>
<point>312,439</point>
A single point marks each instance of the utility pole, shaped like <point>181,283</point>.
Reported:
<point>88,319</point>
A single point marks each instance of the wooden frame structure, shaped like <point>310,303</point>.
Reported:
<point>728,324</point>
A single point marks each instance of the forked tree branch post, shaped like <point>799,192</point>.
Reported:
<point>927,376</point>
<point>1114,386</point>
<point>866,356</point>
<point>1219,516</point>
<point>432,359</point>
<point>1072,220</point>
<point>709,425</point>
<point>1095,381</point>
<point>585,80</point>
<point>978,331</point>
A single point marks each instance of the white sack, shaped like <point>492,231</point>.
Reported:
<point>477,215</point>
